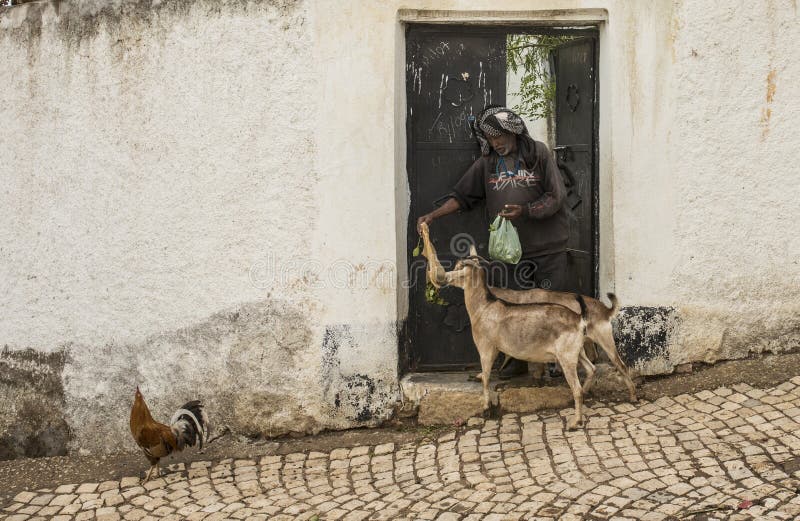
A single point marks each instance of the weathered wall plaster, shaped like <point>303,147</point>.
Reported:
<point>161,197</point>
<point>209,199</point>
<point>31,418</point>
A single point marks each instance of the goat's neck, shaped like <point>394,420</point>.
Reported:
<point>476,294</point>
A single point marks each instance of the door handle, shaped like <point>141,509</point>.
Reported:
<point>562,152</point>
<point>570,183</point>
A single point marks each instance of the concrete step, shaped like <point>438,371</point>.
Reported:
<point>448,398</point>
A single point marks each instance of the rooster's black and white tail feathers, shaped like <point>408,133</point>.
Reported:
<point>190,425</point>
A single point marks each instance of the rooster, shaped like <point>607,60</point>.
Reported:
<point>188,427</point>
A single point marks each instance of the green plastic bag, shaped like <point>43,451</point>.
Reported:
<point>504,242</point>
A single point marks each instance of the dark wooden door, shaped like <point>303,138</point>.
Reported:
<point>575,70</point>
<point>451,74</point>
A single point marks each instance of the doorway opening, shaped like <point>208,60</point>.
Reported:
<point>548,75</point>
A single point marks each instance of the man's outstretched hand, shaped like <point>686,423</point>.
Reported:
<point>511,211</point>
<point>449,206</point>
<point>427,219</point>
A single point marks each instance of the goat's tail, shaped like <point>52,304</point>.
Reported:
<point>612,311</point>
<point>582,304</point>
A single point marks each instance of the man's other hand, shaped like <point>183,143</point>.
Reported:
<point>511,211</point>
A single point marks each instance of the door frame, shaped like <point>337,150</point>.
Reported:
<point>589,23</point>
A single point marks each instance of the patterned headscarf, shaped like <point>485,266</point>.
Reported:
<point>493,121</point>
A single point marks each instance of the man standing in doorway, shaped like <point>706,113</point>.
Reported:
<point>519,180</point>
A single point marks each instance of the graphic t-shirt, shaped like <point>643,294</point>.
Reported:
<point>535,184</point>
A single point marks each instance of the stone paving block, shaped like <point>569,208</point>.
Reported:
<point>24,497</point>
<point>107,485</point>
<point>87,488</point>
<point>63,500</point>
<point>107,514</point>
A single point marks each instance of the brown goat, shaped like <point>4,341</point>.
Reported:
<point>598,327</point>
<point>531,332</point>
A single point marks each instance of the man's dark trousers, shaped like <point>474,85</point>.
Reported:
<point>545,271</point>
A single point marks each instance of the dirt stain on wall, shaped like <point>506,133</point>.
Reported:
<point>644,333</point>
<point>766,112</point>
<point>354,396</point>
<point>32,422</point>
<point>77,21</point>
<point>771,86</point>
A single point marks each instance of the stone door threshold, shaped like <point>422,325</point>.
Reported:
<point>452,398</point>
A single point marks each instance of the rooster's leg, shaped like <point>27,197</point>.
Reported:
<point>150,473</point>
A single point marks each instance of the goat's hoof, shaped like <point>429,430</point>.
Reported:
<point>491,412</point>
<point>574,424</point>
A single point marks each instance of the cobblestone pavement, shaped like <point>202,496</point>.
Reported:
<point>692,456</point>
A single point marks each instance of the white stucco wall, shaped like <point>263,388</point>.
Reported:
<point>162,195</point>
<point>162,164</point>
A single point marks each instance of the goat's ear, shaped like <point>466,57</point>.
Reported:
<point>472,251</point>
